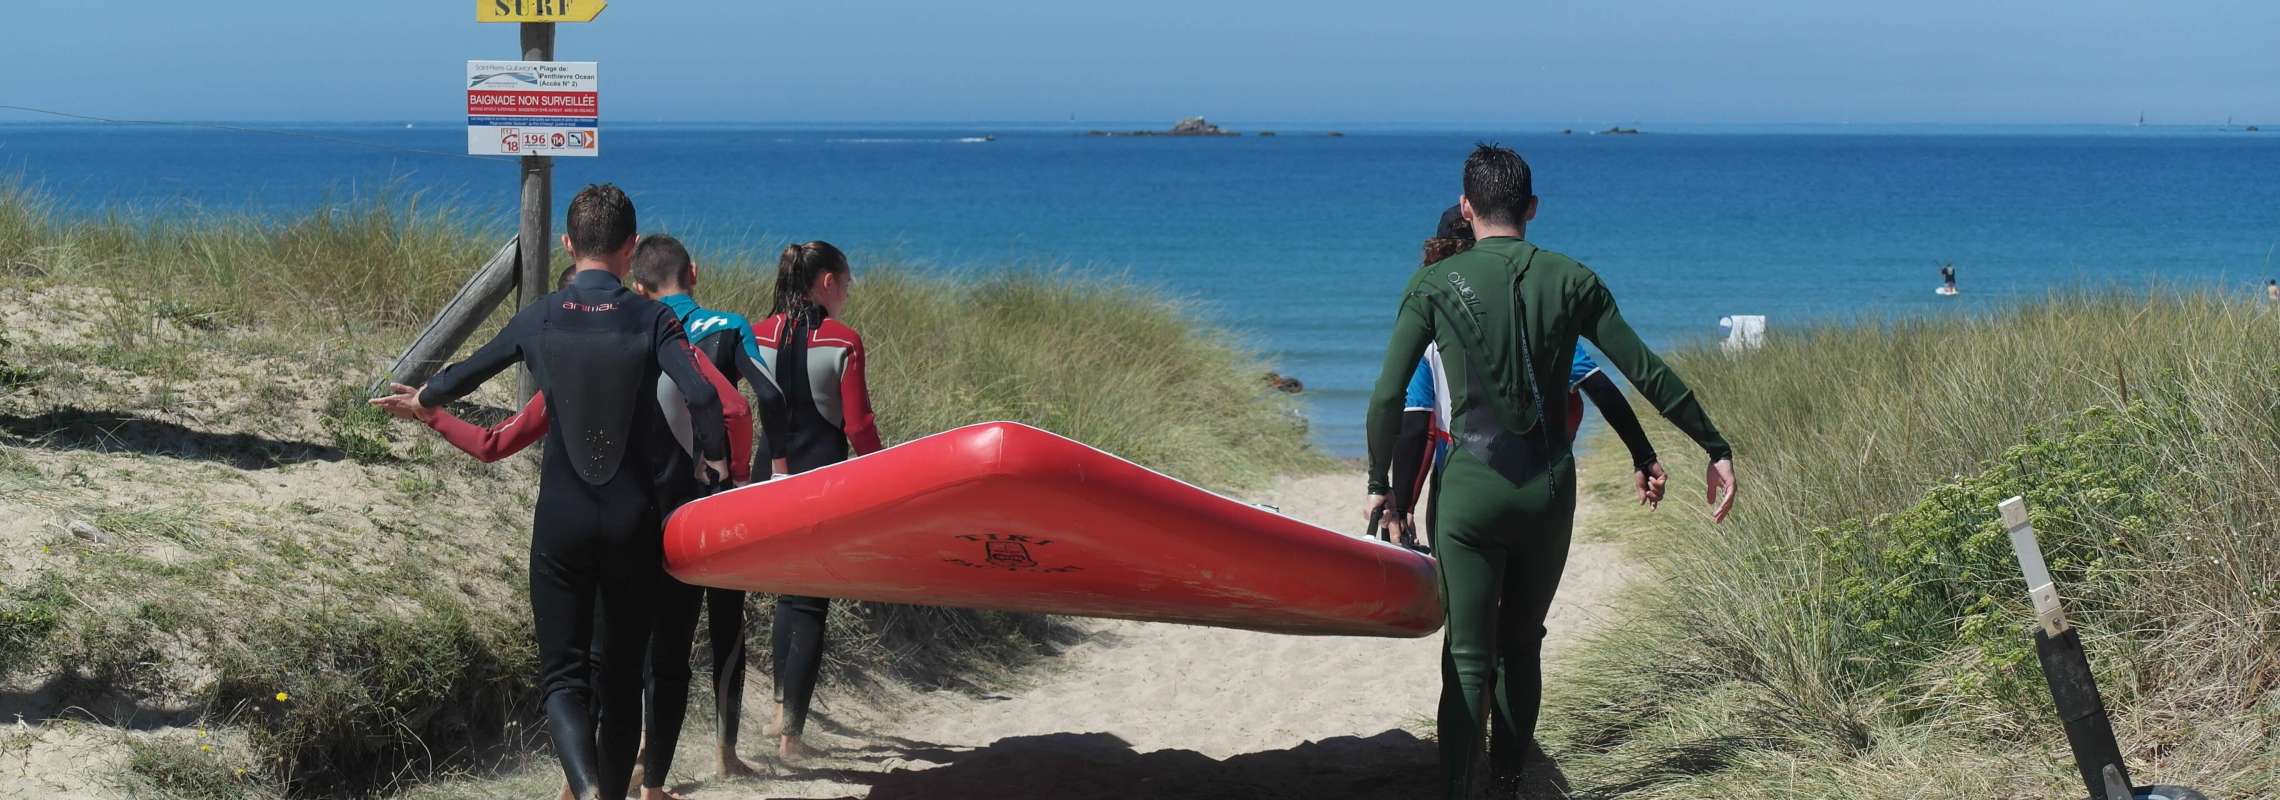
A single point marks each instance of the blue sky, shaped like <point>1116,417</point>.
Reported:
<point>1583,61</point>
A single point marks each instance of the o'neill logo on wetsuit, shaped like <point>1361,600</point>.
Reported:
<point>1007,551</point>
<point>568,305</point>
<point>1472,303</point>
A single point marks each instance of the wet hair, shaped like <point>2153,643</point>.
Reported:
<point>600,220</point>
<point>1440,247</point>
<point>1498,184</point>
<point>660,260</point>
<point>796,273</point>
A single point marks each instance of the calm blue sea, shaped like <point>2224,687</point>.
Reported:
<point>1297,244</point>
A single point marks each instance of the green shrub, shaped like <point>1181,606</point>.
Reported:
<point>360,431</point>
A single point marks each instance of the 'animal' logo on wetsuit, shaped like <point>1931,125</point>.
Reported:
<point>574,306</point>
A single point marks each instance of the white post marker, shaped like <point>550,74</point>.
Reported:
<point>2048,611</point>
<point>533,108</point>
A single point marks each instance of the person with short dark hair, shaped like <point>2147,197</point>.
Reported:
<point>612,467</point>
<point>663,269</point>
<point>1506,315</point>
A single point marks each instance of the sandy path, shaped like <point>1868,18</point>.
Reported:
<point>1154,710</point>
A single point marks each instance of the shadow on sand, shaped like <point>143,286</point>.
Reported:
<point>1083,766</point>
<point>113,432</point>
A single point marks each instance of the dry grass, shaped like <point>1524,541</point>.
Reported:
<point>182,390</point>
<point>1858,630</point>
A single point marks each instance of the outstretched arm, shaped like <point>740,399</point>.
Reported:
<point>1603,324</point>
<point>461,379</point>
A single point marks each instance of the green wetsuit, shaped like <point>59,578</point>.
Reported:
<point>1503,505</point>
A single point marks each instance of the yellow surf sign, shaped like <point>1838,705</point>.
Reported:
<point>538,10</point>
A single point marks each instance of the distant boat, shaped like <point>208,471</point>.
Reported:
<point>1619,131</point>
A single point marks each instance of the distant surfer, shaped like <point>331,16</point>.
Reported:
<point>2272,292</point>
<point>817,361</point>
<point>1424,441</point>
<point>597,351</point>
<point>666,678</point>
<point>1506,316</point>
<point>1947,278</point>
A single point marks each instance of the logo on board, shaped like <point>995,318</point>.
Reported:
<point>1012,552</point>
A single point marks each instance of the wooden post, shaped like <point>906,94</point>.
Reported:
<point>458,320</point>
<point>534,278</point>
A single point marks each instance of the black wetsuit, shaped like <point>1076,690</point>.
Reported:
<point>727,340</point>
<point>611,469</point>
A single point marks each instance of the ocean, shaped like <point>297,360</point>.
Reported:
<point>1297,245</point>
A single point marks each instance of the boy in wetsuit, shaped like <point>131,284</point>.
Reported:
<point>1505,315</point>
<point>663,269</point>
<point>597,351</point>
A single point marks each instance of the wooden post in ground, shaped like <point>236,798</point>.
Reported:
<point>534,277</point>
<point>457,321</point>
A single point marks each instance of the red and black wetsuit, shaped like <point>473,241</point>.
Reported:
<point>610,471</point>
<point>818,364</point>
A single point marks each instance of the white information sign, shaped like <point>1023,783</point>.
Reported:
<point>533,108</point>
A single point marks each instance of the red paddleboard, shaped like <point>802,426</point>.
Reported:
<point>1008,517</point>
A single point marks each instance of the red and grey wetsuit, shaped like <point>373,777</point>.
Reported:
<point>818,364</point>
<point>611,470</point>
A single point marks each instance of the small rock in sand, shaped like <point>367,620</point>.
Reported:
<point>87,530</point>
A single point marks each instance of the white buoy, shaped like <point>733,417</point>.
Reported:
<point>1743,332</point>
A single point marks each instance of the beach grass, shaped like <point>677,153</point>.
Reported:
<point>216,534</point>
<point>1859,628</point>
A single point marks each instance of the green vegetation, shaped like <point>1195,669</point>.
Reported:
<point>1859,628</point>
<point>215,524</point>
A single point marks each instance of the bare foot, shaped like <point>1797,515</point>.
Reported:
<point>791,750</point>
<point>638,773</point>
<point>733,767</point>
<point>566,795</point>
<point>648,793</point>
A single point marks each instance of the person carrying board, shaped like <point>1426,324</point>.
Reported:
<point>598,350</point>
